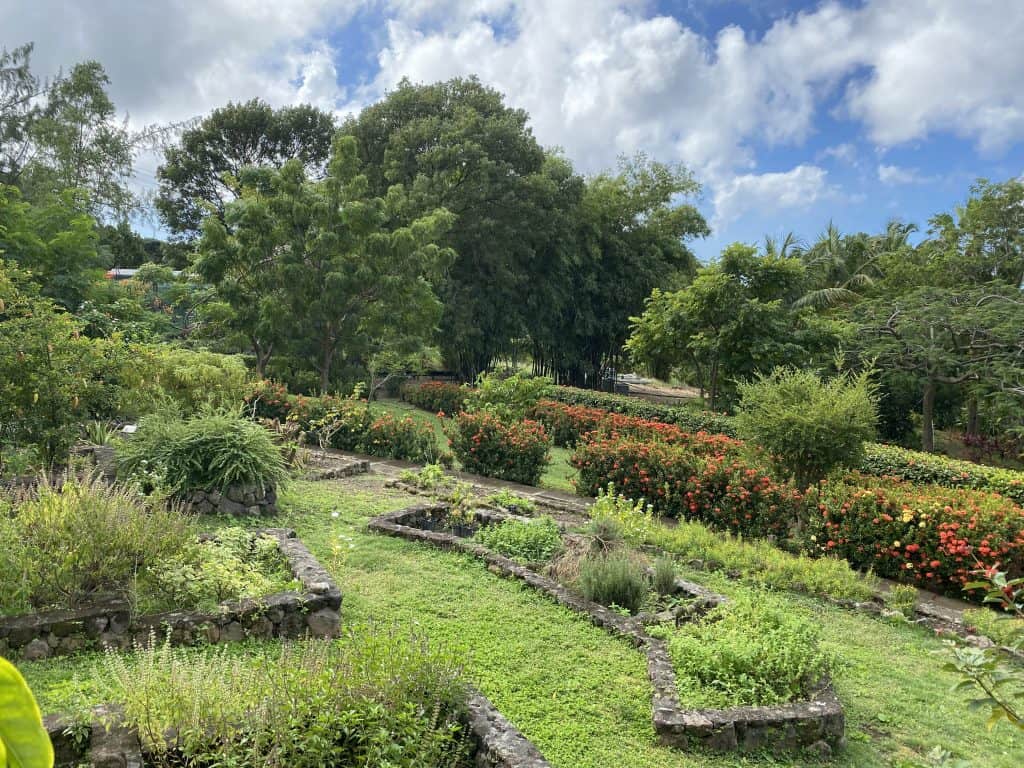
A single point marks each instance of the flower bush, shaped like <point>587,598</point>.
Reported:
<point>486,445</point>
<point>923,535</point>
<point>571,423</point>
<point>639,469</point>
<point>436,396</point>
<point>403,438</point>
<point>269,400</point>
<point>732,496</point>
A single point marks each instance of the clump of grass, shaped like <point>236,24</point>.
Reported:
<point>605,534</point>
<point>505,499</point>
<point>753,650</point>
<point>616,579</point>
<point>664,577</point>
<point>902,598</point>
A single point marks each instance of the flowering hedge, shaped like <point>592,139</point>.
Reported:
<point>691,419</point>
<point>403,438</point>
<point>924,535</point>
<point>568,424</point>
<point>269,400</point>
<point>436,396</point>
<point>716,488</point>
<point>920,467</point>
<point>486,445</point>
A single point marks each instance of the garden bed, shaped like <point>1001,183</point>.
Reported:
<point>817,723</point>
<point>105,742</point>
<point>110,624</point>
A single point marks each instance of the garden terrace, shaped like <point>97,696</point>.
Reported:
<point>579,693</point>
<point>817,723</point>
<point>313,611</point>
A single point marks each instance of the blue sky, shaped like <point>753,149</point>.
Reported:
<point>790,113</point>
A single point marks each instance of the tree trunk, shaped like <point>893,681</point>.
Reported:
<point>713,386</point>
<point>927,417</point>
<point>326,356</point>
<point>972,416</point>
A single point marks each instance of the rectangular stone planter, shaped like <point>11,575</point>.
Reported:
<point>496,742</point>
<point>818,723</point>
<point>313,611</point>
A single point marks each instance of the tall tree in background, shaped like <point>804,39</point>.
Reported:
<point>19,88</point>
<point>457,145</point>
<point>323,267</point>
<point>202,172</point>
<point>631,235</point>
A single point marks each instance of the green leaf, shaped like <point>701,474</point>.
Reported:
<point>23,739</point>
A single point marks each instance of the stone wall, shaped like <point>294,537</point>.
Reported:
<point>818,723</point>
<point>110,624</point>
<point>235,501</point>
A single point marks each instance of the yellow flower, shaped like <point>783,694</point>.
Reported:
<point>908,516</point>
<point>895,544</point>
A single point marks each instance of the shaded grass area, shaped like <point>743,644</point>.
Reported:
<point>557,476</point>
<point>580,694</point>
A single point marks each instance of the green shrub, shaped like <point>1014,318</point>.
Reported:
<point>206,452</point>
<point>605,533</point>
<point>234,565</point>
<point>664,577</point>
<point>436,396</point>
<point>753,650</point>
<point>154,377</point>
<point>371,699</point>
<point>616,579</point>
<point>404,438</point>
<point>1002,627</point>
<point>505,499</point>
<point>486,445</point>
<point>344,426</point>
<point>531,541</point>
<point>510,398</point>
<point>808,427</point>
<point>65,545</point>
<point>902,598</point>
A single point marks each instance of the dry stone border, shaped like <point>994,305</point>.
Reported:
<point>818,723</point>
<point>110,624</point>
<point>105,743</point>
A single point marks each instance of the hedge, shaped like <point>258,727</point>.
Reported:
<point>436,396</point>
<point>925,535</point>
<point>716,488</point>
<point>568,424</point>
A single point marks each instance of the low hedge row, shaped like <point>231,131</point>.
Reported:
<point>436,396</point>
<point>921,467</point>
<point>719,489</point>
<point>486,445</point>
<point>568,424</point>
<point>924,535</point>
<point>691,419</point>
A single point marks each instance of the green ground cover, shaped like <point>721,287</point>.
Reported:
<point>581,695</point>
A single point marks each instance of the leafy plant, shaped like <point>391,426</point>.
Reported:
<point>99,432</point>
<point>436,396</point>
<point>510,398</point>
<point>373,698</point>
<point>615,579</point>
<point>429,478</point>
<point>1000,682</point>
<point>605,533</point>
<point>902,598</point>
<point>24,742</point>
<point>211,452</point>
<point>753,650</point>
<point>505,499</point>
<point>69,543</point>
<point>808,427</point>
<point>530,541</point>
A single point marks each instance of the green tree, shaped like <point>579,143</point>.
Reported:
<point>50,374</point>
<point>54,240</point>
<point>941,336</point>
<point>734,320</point>
<point>324,266</point>
<point>202,171</point>
<point>19,91</point>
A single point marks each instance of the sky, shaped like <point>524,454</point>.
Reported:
<point>789,113</point>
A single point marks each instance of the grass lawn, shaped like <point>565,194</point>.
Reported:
<point>558,475</point>
<point>580,694</point>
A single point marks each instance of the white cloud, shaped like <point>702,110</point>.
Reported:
<point>800,187</point>
<point>892,175</point>
<point>599,77</point>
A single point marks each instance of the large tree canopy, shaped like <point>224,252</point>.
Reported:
<point>201,173</point>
